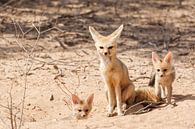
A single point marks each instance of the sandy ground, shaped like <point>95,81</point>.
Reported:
<point>81,76</point>
<point>45,104</point>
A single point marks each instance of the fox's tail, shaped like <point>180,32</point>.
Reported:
<point>146,94</point>
<point>145,100</point>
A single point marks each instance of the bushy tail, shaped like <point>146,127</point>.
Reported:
<point>146,94</point>
<point>145,101</point>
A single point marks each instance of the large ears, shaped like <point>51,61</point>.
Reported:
<point>95,35</point>
<point>90,99</point>
<point>168,57</point>
<point>116,34</point>
<point>75,99</point>
<point>155,58</point>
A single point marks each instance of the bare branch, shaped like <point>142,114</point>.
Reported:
<point>141,77</point>
<point>140,103</point>
<point>11,109</point>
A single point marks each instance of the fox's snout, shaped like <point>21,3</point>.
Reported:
<point>83,115</point>
<point>105,52</point>
<point>161,73</point>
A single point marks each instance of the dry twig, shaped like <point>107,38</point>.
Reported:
<point>141,77</point>
<point>142,110</point>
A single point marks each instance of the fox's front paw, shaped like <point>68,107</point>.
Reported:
<point>163,96</point>
<point>110,111</point>
<point>168,106</point>
<point>109,114</point>
<point>124,106</point>
<point>168,101</point>
<point>121,113</point>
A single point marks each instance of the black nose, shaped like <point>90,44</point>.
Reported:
<point>84,115</point>
<point>161,75</point>
<point>105,53</point>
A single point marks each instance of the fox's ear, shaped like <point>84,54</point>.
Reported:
<point>75,99</point>
<point>168,57</point>
<point>90,99</point>
<point>95,35</point>
<point>155,58</point>
<point>116,34</point>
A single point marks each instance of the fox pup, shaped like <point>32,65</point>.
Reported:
<point>163,76</point>
<point>81,108</point>
<point>119,88</point>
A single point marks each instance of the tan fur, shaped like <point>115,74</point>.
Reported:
<point>164,75</point>
<point>146,94</point>
<point>81,108</point>
<point>119,87</point>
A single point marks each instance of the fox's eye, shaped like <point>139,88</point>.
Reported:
<point>79,110</point>
<point>158,70</point>
<point>165,70</point>
<point>110,47</point>
<point>86,110</point>
<point>101,47</point>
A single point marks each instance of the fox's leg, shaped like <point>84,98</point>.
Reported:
<point>111,101</point>
<point>169,94</point>
<point>118,99</point>
<point>110,96</point>
<point>106,93</point>
<point>162,89</point>
<point>128,95</point>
